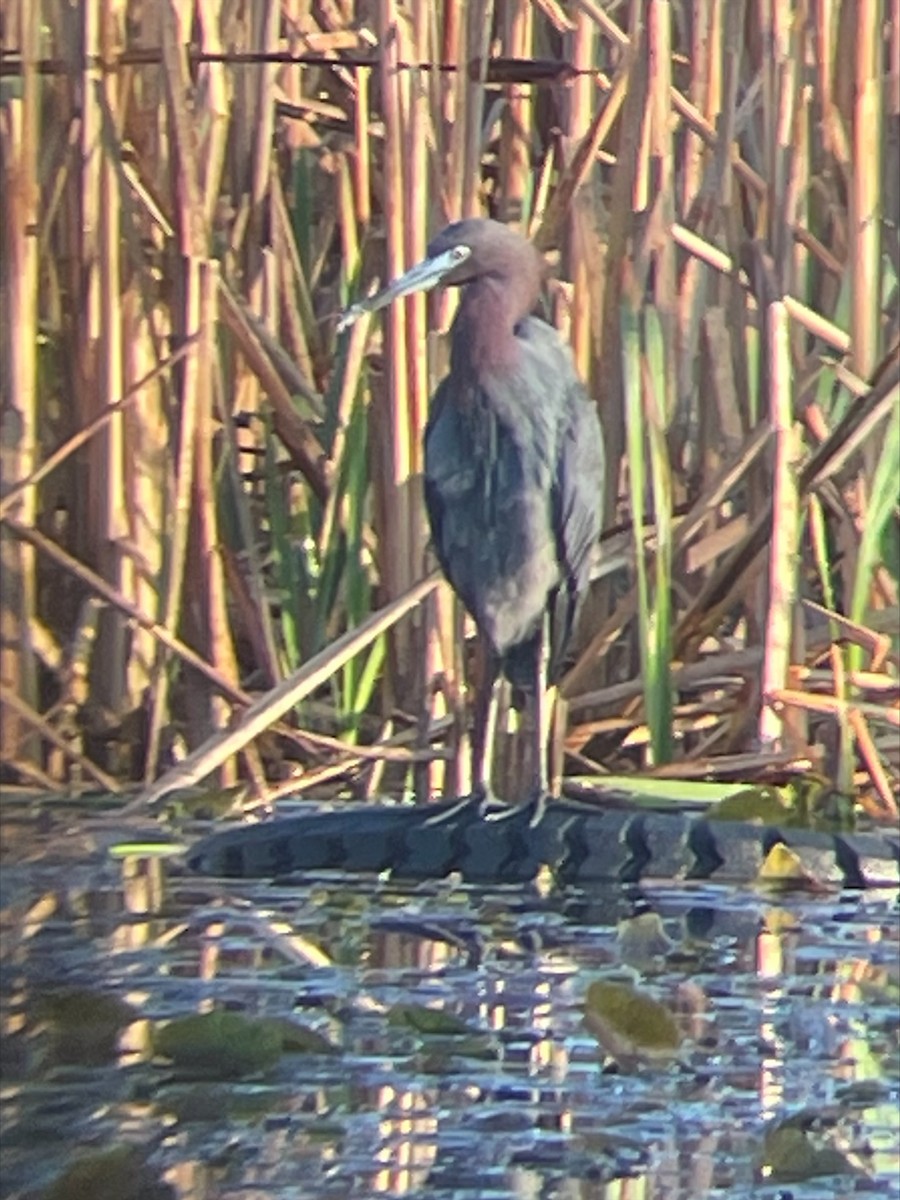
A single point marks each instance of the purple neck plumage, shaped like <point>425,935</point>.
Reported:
<point>490,307</point>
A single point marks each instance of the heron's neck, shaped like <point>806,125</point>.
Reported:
<point>484,329</point>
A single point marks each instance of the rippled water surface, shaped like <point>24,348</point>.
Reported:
<point>788,1007</point>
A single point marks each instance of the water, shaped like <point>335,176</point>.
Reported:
<point>788,1006</point>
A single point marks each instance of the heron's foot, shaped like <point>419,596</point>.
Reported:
<point>535,807</point>
<point>491,807</point>
<point>483,805</point>
<point>480,804</point>
<point>532,811</point>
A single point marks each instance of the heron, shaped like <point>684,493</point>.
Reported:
<point>514,472</point>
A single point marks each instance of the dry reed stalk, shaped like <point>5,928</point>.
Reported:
<point>102,528</point>
<point>295,433</point>
<point>347,204</point>
<point>67,713</point>
<point>146,443</point>
<point>582,223</point>
<point>621,218</point>
<point>394,496</point>
<point>550,218</point>
<point>416,217</point>
<point>451,133</point>
<point>428,777</point>
<point>120,569</point>
<point>705,96</point>
<point>362,157</point>
<point>189,223</point>
<point>817,325</point>
<point>263,32</point>
<point>878,776</point>
<point>212,86</point>
<point>797,201</point>
<point>778,33</point>
<point>762,766</point>
<point>345,401</point>
<point>91,151</point>
<point>245,578</point>
<point>864,247</point>
<point>514,184</point>
<point>715,671</point>
<point>782,583</point>
<point>479,17</point>
<point>844,755</point>
<point>663,179</point>
<point>878,645</point>
<point>209,583</point>
<point>296,21</point>
<point>832,705</point>
<point>19,135</point>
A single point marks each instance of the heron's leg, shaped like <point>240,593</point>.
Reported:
<point>542,712</point>
<point>484,727</point>
<point>557,750</point>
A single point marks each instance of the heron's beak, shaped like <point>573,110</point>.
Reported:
<point>420,278</point>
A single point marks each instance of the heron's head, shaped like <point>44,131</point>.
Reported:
<point>475,248</point>
<point>462,253</point>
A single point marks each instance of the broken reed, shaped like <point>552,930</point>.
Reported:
<point>690,167</point>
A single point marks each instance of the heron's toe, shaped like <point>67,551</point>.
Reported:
<point>448,812</point>
<point>536,806</point>
<point>532,811</point>
<point>479,805</point>
<point>490,807</point>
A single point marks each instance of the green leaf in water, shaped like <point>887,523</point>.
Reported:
<point>208,803</point>
<point>447,1056</point>
<point>84,1024</point>
<point>221,1045</point>
<point>761,804</point>
<point>300,1039</point>
<point>117,1173</point>
<point>790,1156</point>
<point>642,941</point>
<point>432,1022</point>
<point>630,1024</point>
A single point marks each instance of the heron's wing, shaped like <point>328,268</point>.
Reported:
<point>577,448</point>
<point>482,511</point>
<point>576,513</point>
<point>434,500</point>
<point>453,478</point>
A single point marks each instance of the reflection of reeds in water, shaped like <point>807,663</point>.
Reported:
<point>193,194</point>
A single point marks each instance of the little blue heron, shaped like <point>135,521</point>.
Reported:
<point>514,466</point>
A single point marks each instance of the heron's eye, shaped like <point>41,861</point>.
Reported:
<point>460,253</point>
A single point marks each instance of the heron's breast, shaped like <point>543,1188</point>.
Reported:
<point>494,530</point>
<point>493,437</point>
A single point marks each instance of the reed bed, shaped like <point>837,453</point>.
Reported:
<point>214,552</point>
